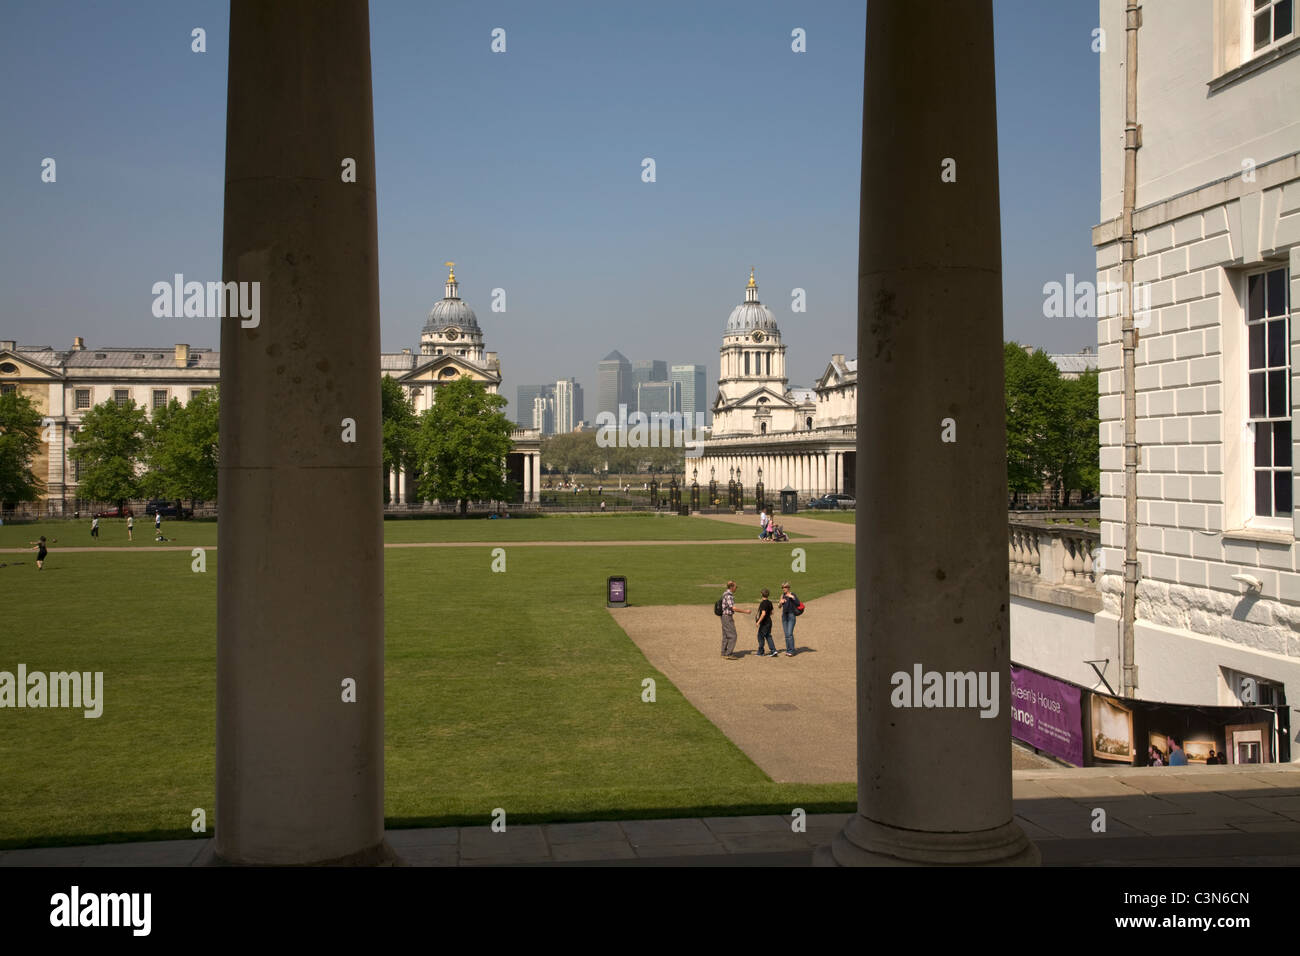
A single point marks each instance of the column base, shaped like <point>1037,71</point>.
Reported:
<point>381,854</point>
<point>865,842</point>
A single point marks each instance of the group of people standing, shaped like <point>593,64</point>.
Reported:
<point>790,605</point>
<point>130,526</point>
<point>1175,756</point>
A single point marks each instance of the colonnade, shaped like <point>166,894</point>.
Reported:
<point>401,483</point>
<point>812,472</point>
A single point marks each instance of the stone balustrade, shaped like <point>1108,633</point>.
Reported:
<point>1054,563</point>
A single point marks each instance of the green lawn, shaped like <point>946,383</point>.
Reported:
<point>607,527</point>
<point>843,517</point>
<point>527,697</point>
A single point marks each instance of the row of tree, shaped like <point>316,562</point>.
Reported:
<point>1052,427</point>
<point>456,447</point>
<point>578,453</point>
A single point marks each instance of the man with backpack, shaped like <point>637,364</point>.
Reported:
<point>725,607</point>
<point>791,607</point>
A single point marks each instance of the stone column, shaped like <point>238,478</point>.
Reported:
<point>392,486</point>
<point>839,471</point>
<point>401,485</point>
<point>932,588</point>
<point>300,625</point>
<point>528,475</point>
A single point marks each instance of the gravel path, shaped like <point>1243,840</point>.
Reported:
<point>776,709</point>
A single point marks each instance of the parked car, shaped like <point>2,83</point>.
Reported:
<point>167,509</point>
<point>115,512</point>
<point>842,500</point>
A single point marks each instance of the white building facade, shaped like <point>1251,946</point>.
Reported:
<point>1217,250</point>
<point>804,439</point>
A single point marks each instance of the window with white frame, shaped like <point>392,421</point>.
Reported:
<point>121,396</point>
<point>1269,22</point>
<point>1268,370</point>
<point>159,398</point>
<point>83,398</point>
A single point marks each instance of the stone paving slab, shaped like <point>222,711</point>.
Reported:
<point>1240,822</point>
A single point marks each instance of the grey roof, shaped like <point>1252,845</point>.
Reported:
<point>139,358</point>
<point>449,313</point>
<point>616,356</point>
<point>801,395</point>
<point>113,358</point>
<point>1075,363</point>
<point>751,315</point>
<point>396,361</point>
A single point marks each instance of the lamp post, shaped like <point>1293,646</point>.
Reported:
<point>758,490</point>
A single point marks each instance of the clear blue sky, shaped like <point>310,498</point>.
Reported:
<point>525,168</point>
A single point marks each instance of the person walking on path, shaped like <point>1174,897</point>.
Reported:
<point>729,610</point>
<point>157,521</point>
<point>1177,758</point>
<point>94,527</point>
<point>41,552</point>
<point>789,611</point>
<point>765,625</point>
<point>762,524</point>
<point>130,526</point>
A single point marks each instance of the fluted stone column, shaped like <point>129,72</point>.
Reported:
<point>934,782</point>
<point>300,586</point>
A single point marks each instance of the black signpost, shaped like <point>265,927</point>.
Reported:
<point>616,591</point>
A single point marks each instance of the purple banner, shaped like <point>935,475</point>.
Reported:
<point>1047,714</point>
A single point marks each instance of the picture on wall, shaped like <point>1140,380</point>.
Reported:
<point>1157,740</point>
<point>1112,730</point>
<point>1198,751</point>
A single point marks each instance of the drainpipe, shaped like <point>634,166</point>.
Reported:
<point>1132,141</point>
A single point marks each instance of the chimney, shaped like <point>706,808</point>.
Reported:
<point>182,356</point>
<point>1087,350</point>
<point>7,345</point>
<point>492,359</point>
<point>406,351</point>
<point>78,344</point>
<point>1029,349</point>
<point>838,358</point>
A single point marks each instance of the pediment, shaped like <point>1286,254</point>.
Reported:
<point>26,368</point>
<point>751,399</point>
<point>444,368</point>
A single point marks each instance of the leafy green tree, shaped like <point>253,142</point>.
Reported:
<point>1052,426</point>
<point>1033,408</point>
<point>1081,453</point>
<point>462,445</point>
<point>109,444</point>
<point>181,449</point>
<point>20,439</point>
<point>400,428</point>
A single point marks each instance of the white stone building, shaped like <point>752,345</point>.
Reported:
<point>801,438</point>
<point>1217,245</point>
<point>65,384</point>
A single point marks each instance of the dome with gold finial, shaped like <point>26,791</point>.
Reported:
<point>451,312</point>
<point>752,314</point>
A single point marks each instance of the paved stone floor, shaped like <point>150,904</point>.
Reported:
<point>1165,816</point>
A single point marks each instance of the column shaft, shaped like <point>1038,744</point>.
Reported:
<point>300,589</point>
<point>932,589</point>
